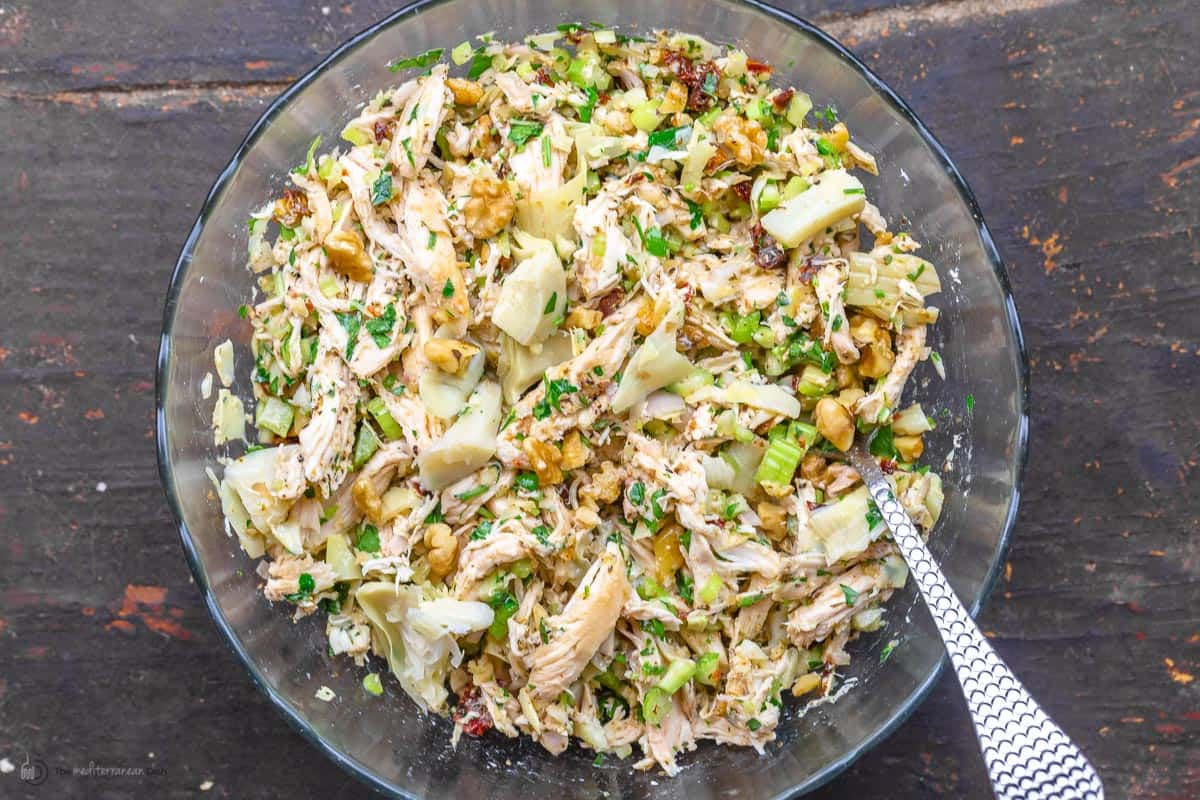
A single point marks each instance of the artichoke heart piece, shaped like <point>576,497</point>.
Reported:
<point>842,526</point>
<point>520,367</point>
<point>444,394</point>
<point>534,294</point>
<point>467,445</point>
<point>550,213</point>
<point>655,364</point>
<point>838,196</point>
<point>874,284</point>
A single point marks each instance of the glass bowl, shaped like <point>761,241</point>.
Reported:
<point>385,741</point>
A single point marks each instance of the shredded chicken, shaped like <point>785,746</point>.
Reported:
<point>549,396</point>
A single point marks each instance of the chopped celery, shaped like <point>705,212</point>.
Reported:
<point>707,668</point>
<point>764,337</point>
<point>804,433</point>
<point>709,591</point>
<point>758,110</point>
<point>655,705</point>
<point>768,198</point>
<point>274,415</point>
<point>646,117</point>
<point>815,382</point>
<point>779,462</point>
<point>383,418</point>
<point>742,327</point>
<point>357,136</point>
<point>679,673</point>
<point>793,187</point>
<point>329,286</point>
<point>691,383</point>
<point>365,445</point>
<point>522,569</point>
<point>585,71</point>
<point>648,589</point>
<point>462,53</point>
<point>372,684</point>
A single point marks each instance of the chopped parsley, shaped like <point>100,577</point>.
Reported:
<point>854,191</point>
<point>380,329</point>
<point>753,724</point>
<point>481,531</point>
<point>521,131</point>
<point>426,59</point>
<point>368,539</point>
<point>528,481</point>
<point>307,586</point>
<point>381,189</point>
<point>849,593</point>
<point>697,214</point>
<point>471,494</point>
<point>431,243</point>
<point>546,150</point>
<point>637,493</point>
<point>542,534</point>
<point>886,653</point>
<point>351,321</point>
<point>970,403</point>
<point>912,276</point>
<point>448,288</point>
<point>874,517</point>
<point>555,390</point>
<point>883,444</point>
<point>585,110</point>
<point>549,309</point>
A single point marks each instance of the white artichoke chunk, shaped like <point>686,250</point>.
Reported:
<point>534,295</point>
<point>467,445</point>
<point>839,195</point>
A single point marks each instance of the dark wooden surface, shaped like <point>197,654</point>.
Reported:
<point>1077,124</point>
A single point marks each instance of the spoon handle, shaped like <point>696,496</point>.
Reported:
<point>1028,756</point>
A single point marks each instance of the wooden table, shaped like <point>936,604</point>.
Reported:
<point>1077,124</point>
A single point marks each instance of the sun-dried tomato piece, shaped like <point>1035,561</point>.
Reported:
<point>767,252</point>
<point>757,67</point>
<point>611,301</point>
<point>472,713</point>
<point>781,99</point>
<point>742,190</point>
<point>383,129</point>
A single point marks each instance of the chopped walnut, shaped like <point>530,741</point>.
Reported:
<point>443,548</point>
<point>483,140</point>
<point>649,314</point>
<point>545,460</point>
<point>348,256</point>
<point>450,355</point>
<point>774,519</point>
<point>743,138</point>
<point>574,454</point>
<point>466,93</point>
<point>490,208</point>
<point>368,501</point>
<point>291,208</point>
<point>580,317</point>
<point>605,486</point>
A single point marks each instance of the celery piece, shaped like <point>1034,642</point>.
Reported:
<point>709,591</point>
<point>646,117</point>
<point>462,53</point>
<point>585,71</point>
<point>609,681</point>
<point>758,110</point>
<point>742,327</point>
<point>372,684</point>
<point>691,383</point>
<point>365,445</point>
<point>815,382</point>
<point>779,462</point>
<point>679,673</point>
<point>522,569</point>
<point>383,418</point>
<point>504,605</point>
<point>356,136</point>
<point>274,415</point>
<point>805,434</point>
<point>764,337</point>
<point>768,198</point>
<point>648,589</point>
<point>798,108</point>
<point>655,705</point>
<point>793,187</point>
<point>707,668</point>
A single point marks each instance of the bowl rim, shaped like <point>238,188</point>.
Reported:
<point>296,720</point>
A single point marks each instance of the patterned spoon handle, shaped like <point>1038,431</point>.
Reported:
<point>1028,756</point>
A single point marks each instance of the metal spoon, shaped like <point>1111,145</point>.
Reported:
<point>1028,756</point>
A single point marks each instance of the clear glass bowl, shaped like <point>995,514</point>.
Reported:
<point>386,741</point>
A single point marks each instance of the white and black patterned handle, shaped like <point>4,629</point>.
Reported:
<point>1028,756</point>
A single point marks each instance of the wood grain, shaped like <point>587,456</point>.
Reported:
<point>1078,126</point>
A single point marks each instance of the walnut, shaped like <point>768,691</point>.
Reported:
<point>483,140</point>
<point>545,460</point>
<point>606,484</point>
<point>466,93</point>
<point>743,138</point>
<point>574,454</point>
<point>812,467</point>
<point>348,256</point>
<point>291,208</point>
<point>649,314</point>
<point>835,423</point>
<point>877,358</point>
<point>580,317</point>
<point>490,208</point>
<point>774,519</point>
<point>368,502</point>
<point>450,355</point>
<point>443,548</point>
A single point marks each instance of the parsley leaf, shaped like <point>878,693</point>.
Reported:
<point>550,305</point>
<point>381,189</point>
<point>882,444</point>
<point>849,593</point>
<point>637,493</point>
<point>886,653</point>
<point>697,214</point>
<point>669,138</point>
<point>368,539</point>
<point>448,288</point>
<point>481,62</point>
<point>351,322</point>
<point>542,534</point>
<point>307,586</point>
<point>380,327</point>
<point>585,110</point>
<point>426,59</point>
<point>555,390</point>
<point>481,531</point>
<point>528,481</point>
<point>521,131</point>
<point>874,516</point>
